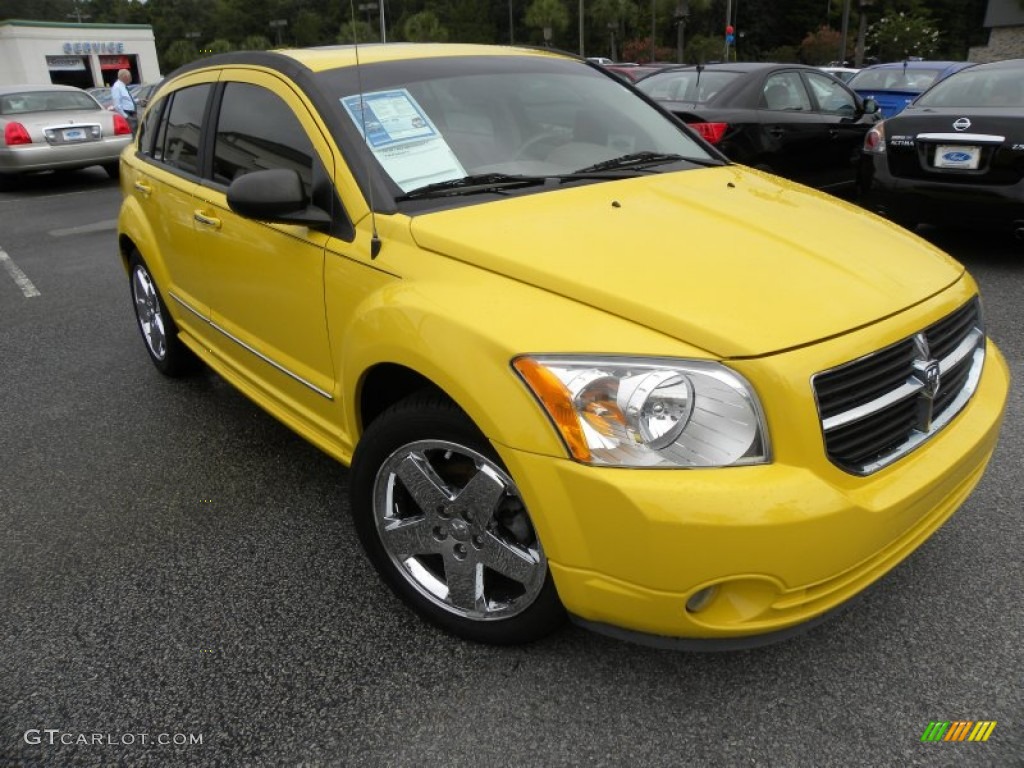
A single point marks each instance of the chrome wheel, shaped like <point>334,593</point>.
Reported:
<point>453,524</point>
<point>148,313</point>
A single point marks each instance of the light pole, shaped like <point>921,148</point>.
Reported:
<point>682,14</point>
<point>842,35</point>
<point>581,29</point>
<point>728,23</point>
<point>654,31</point>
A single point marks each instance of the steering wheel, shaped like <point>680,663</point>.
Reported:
<point>525,151</point>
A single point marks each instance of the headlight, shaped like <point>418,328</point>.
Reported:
<point>649,412</point>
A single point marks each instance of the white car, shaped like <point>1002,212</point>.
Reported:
<point>843,73</point>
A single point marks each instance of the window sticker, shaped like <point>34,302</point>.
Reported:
<point>403,139</point>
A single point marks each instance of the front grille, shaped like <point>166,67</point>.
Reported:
<point>880,407</point>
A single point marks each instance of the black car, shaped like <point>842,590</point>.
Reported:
<point>954,156</point>
<point>788,119</point>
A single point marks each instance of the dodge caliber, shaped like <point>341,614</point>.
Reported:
<point>578,363</point>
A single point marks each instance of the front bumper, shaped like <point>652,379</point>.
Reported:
<point>26,158</point>
<point>922,201</point>
<point>781,544</point>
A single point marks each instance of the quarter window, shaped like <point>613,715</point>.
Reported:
<point>256,131</point>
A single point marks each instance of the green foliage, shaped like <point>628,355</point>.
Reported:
<point>178,53</point>
<point>765,28</point>
<point>424,27</point>
<point>703,48</point>
<point>220,45</point>
<point>308,29</point>
<point>256,43</point>
<point>357,32</point>
<point>896,36</point>
<point>544,14</point>
<point>782,53</point>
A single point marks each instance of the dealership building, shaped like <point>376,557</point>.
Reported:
<point>85,55</point>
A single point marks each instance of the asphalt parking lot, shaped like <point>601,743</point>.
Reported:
<point>180,583</point>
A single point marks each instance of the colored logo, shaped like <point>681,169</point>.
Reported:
<point>960,730</point>
<point>962,124</point>
<point>956,157</point>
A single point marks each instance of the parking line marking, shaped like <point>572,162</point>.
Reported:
<point>19,277</point>
<point>98,226</point>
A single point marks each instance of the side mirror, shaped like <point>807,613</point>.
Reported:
<point>275,195</point>
<point>870,106</point>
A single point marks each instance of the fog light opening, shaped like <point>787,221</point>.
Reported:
<point>701,600</point>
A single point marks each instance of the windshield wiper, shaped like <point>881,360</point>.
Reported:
<point>473,184</point>
<point>643,160</point>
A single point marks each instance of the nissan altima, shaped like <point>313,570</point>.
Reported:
<point>954,156</point>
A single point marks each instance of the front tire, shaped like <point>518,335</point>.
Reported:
<point>445,526</point>
<point>159,332</point>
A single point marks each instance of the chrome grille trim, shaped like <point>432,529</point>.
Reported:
<point>916,397</point>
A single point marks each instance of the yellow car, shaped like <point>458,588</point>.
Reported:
<point>579,363</point>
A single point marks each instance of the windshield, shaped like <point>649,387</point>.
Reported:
<point>45,101</point>
<point>978,88</point>
<point>896,79</point>
<point>685,85</point>
<point>436,120</point>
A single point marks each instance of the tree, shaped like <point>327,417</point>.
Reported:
<point>424,27</point>
<point>820,47</point>
<point>357,32</point>
<point>612,17</point>
<point>548,16</point>
<point>702,48</point>
<point>220,45</point>
<point>179,53</point>
<point>894,37</point>
<point>308,29</point>
<point>256,43</point>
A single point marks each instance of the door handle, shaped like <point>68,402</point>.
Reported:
<point>143,189</point>
<point>776,131</point>
<point>207,221</point>
<point>833,133</point>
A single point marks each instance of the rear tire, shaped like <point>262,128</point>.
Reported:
<point>445,526</point>
<point>113,170</point>
<point>159,332</point>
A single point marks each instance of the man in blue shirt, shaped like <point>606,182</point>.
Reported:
<point>122,100</point>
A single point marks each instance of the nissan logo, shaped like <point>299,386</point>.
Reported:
<point>962,124</point>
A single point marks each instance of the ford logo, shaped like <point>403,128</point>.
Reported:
<point>956,157</point>
<point>962,124</point>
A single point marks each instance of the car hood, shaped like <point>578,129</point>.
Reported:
<point>731,260</point>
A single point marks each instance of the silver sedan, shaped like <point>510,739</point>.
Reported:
<point>49,127</point>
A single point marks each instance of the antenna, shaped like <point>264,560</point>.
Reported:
<point>375,243</point>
